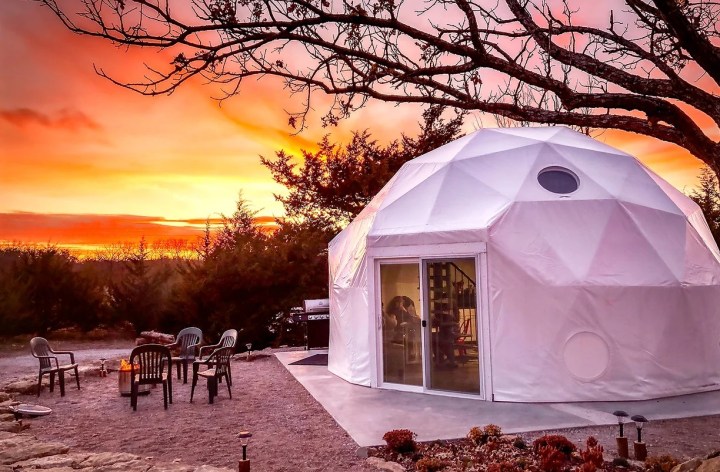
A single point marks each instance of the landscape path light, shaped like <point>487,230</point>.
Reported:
<point>622,441</point>
<point>103,372</point>
<point>244,464</point>
<point>621,415</point>
<point>249,348</point>
<point>639,446</point>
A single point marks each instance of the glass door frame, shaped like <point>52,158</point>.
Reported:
<point>418,255</point>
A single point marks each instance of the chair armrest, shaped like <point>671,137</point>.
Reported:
<point>209,347</point>
<point>170,346</point>
<point>69,353</point>
<point>57,366</point>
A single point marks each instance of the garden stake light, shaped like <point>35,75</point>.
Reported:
<point>244,464</point>
<point>622,441</point>
<point>103,372</point>
<point>639,446</point>
<point>249,348</point>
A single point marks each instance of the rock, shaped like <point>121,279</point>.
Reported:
<point>710,465</point>
<point>12,426</point>
<point>171,468</point>
<point>131,466</point>
<point>71,460</point>
<point>107,459</point>
<point>6,417</point>
<point>20,447</point>
<point>699,465</point>
<point>688,466</point>
<point>4,397</point>
<point>23,387</point>
<point>209,468</point>
<point>156,337</point>
<point>361,452</point>
<point>382,464</point>
<point>5,406</point>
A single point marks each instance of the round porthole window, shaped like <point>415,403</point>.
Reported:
<point>558,180</point>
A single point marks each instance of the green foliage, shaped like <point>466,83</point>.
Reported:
<point>335,183</point>
<point>707,196</point>
<point>138,295</point>
<point>42,289</point>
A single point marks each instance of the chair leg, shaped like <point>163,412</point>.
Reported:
<point>52,381</point>
<point>77,377</point>
<point>165,394</point>
<point>227,382</point>
<point>169,382</point>
<point>178,370</point>
<point>194,381</point>
<point>185,369</point>
<point>212,387</point>
<point>133,395</point>
<point>61,378</point>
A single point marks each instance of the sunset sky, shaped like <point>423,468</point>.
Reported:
<point>85,162</point>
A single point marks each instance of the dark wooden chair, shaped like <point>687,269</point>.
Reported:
<point>41,349</point>
<point>147,367</point>
<point>187,342</point>
<point>228,339</point>
<point>220,367</point>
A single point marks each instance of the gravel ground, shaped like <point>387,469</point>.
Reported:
<point>291,431</point>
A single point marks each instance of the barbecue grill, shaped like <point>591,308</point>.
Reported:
<point>316,317</point>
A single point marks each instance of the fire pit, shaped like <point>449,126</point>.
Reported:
<point>124,380</point>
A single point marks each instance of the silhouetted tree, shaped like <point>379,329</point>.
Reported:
<point>707,196</point>
<point>43,289</point>
<point>333,184</point>
<point>137,296</point>
<point>635,66</point>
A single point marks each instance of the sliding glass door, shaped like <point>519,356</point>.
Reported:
<point>451,305</point>
<point>429,329</point>
<point>401,323</point>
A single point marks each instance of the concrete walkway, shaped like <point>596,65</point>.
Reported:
<point>367,413</point>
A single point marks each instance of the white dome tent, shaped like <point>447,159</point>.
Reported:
<point>528,265</point>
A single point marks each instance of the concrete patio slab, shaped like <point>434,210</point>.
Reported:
<point>368,413</point>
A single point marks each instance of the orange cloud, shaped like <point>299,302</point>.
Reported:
<point>66,118</point>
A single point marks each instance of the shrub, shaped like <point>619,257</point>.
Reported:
<point>475,435</point>
<point>430,464</point>
<point>519,443</point>
<point>492,431</point>
<point>593,453</point>
<point>554,451</point>
<point>400,440</point>
<point>551,459</point>
<point>587,467</point>
<point>481,436</point>
<point>664,463</point>
<point>554,441</point>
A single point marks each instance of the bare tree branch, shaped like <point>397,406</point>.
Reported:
<point>652,67</point>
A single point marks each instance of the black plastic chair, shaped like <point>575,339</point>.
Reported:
<point>41,349</point>
<point>147,367</point>
<point>220,361</point>
<point>228,339</point>
<point>187,341</point>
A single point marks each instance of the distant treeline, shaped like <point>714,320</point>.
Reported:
<point>238,276</point>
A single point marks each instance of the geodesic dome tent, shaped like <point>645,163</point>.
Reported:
<point>597,280</point>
